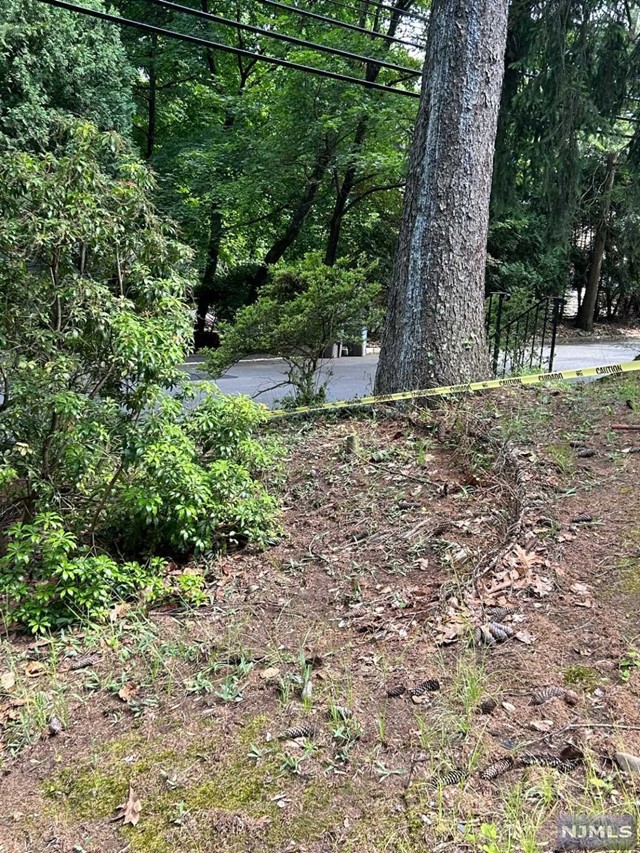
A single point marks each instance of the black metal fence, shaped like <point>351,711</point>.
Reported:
<point>526,340</point>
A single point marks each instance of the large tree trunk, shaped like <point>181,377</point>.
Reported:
<point>434,333</point>
<point>586,314</point>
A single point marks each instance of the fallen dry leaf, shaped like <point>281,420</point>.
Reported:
<point>525,637</point>
<point>35,668</point>
<point>127,692</point>
<point>270,673</point>
<point>541,586</point>
<point>7,681</point>
<point>130,810</point>
<point>525,559</point>
<point>449,632</point>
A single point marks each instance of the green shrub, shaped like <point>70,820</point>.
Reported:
<point>49,582</point>
<point>106,459</point>
<point>303,310</point>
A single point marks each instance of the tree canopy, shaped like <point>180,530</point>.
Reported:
<point>54,64</point>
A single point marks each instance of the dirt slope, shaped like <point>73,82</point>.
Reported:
<point>396,546</point>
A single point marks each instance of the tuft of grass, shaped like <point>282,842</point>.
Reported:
<point>562,458</point>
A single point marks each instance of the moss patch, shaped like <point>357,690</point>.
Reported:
<point>231,797</point>
<point>582,676</point>
<point>87,792</point>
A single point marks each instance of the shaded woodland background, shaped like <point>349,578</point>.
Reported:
<point>257,163</point>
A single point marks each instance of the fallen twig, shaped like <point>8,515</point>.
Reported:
<point>574,726</point>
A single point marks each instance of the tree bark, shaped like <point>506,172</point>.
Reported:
<point>586,314</point>
<point>297,219</point>
<point>434,332</point>
<point>299,216</point>
<point>342,196</point>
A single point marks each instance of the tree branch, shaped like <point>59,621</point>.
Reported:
<point>368,192</point>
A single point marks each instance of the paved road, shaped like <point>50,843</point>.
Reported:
<point>353,377</point>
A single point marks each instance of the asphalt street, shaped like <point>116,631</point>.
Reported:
<point>353,377</point>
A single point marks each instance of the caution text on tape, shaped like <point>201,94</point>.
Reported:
<point>444,390</point>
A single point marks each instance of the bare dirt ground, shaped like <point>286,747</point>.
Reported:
<point>264,721</point>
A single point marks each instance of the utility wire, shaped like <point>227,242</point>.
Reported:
<point>392,9</point>
<point>237,51</point>
<point>289,7</point>
<point>347,54</point>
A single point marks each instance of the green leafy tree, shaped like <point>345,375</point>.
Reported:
<point>56,64</point>
<point>99,457</point>
<point>565,184</point>
<point>302,311</point>
<point>259,164</point>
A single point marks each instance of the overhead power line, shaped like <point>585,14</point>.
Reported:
<point>335,51</point>
<point>212,45</point>
<point>297,10</point>
<point>391,9</point>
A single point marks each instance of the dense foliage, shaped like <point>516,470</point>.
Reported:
<point>569,110</point>
<point>258,163</point>
<point>54,64</point>
<point>299,315</point>
<point>285,189</point>
<point>99,461</point>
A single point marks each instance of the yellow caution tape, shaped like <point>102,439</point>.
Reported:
<point>444,390</point>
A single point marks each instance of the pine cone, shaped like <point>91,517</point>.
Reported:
<point>428,686</point>
<point>567,766</point>
<point>576,443</point>
<point>398,690</point>
<point>585,453</point>
<point>547,693</point>
<point>533,759</point>
<point>582,518</point>
<point>500,632</point>
<point>497,614</point>
<point>483,637</point>
<point>497,768</point>
<point>298,731</point>
<point>488,706</point>
<point>454,777</point>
